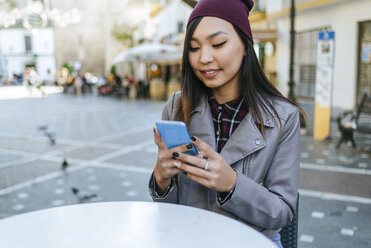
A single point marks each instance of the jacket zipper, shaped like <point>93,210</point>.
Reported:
<point>246,163</point>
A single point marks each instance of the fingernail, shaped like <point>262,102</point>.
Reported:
<point>175,155</point>
<point>189,146</point>
<point>193,138</point>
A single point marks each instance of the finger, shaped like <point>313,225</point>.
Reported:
<point>194,160</point>
<point>168,172</point>
<point>201,180</point>
<point>173,171</point>
<point>177,164</point>
<point>195,170</point>
<point>201,154</point>
<point>182,148</point>
<point>208,150</point>
<point>171,168</point>
<point>158,140</point>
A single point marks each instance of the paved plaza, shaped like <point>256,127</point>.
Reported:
<point>109,152</point>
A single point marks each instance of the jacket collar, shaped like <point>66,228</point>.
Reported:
<point>202,123</point>
<point>245,140</point>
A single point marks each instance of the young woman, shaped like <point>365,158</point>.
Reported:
<point>247,133</point>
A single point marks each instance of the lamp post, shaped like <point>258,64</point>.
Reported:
<point>291,82</point>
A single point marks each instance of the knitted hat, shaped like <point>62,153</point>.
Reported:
<point>233,11</point>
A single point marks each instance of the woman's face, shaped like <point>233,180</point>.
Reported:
<point>215,55</point>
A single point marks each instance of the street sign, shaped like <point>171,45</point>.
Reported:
<point>324,78</point>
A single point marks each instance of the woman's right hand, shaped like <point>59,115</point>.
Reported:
<point>166,165</point>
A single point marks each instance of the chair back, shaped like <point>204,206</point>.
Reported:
<point>289,234</point>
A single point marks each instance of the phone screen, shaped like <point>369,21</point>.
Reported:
<point>175,133</point>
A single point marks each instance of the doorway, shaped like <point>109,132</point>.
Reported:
<point>364,60</point>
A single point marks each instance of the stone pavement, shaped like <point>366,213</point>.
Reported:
<point>110,150</point>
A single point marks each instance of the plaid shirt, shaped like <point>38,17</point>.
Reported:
<point>226,118</point>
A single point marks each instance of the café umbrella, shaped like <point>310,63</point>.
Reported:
<point>150,52</point>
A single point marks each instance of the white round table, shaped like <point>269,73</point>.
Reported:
<point>127,224</point>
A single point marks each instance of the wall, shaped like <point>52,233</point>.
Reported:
<point>84,41</point>
<point>91,41</point>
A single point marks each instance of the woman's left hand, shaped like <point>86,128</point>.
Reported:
<point>218,175</point>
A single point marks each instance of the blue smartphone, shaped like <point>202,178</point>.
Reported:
<point>175,133</point>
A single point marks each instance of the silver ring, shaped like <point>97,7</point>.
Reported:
<point>177,164</point>
<point>206,165</point>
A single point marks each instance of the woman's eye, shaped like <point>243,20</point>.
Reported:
<point>193,49</point>
<point>220,44</point>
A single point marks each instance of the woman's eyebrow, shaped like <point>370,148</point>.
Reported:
<point>211,35</point>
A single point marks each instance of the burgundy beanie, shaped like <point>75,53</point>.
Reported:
<point>233,11</point>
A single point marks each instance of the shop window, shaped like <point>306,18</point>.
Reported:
<point>364,60</point>
<point>305,62</point>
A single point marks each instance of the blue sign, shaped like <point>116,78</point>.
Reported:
<point>326,35</point>
<point>366,52</point>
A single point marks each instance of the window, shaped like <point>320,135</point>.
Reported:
<point>307,80</point>
<point>180,27</point>
<point>364,60</point>
<point>28,43</point>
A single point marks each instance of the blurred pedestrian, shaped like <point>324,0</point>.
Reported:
<point>125,85</point>
<point>18,78</point>
<point>132,88</point>
<point>86,87</point>
<point>32,81</point>
<point>78,83</point>
<point>247,133</point>
<point>26,80</point>
<point>104,86</point>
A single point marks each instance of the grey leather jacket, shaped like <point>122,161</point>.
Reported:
<point>267,168</point>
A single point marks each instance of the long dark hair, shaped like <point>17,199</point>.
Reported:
<point>255,87</point>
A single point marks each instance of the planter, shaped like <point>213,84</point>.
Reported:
<point>157,89</point>
<point>173,86</point>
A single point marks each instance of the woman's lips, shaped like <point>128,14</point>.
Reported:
<point>210,73</point>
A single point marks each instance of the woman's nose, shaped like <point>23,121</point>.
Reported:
<point>206,56</point>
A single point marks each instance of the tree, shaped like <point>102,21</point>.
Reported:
<point>124,34</point>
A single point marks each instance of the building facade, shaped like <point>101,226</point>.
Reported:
<point>351,68</point>
<point>169,22</point>
<point>21,48</point>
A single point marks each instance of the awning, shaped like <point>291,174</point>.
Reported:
<point>121,57</point>
<point>150,52</point>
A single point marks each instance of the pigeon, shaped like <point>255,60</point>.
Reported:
<point>51,137</point>
<point>65,164</point>
<point>47,134</point>
<point>82,196</point>
<point>42,128</point>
